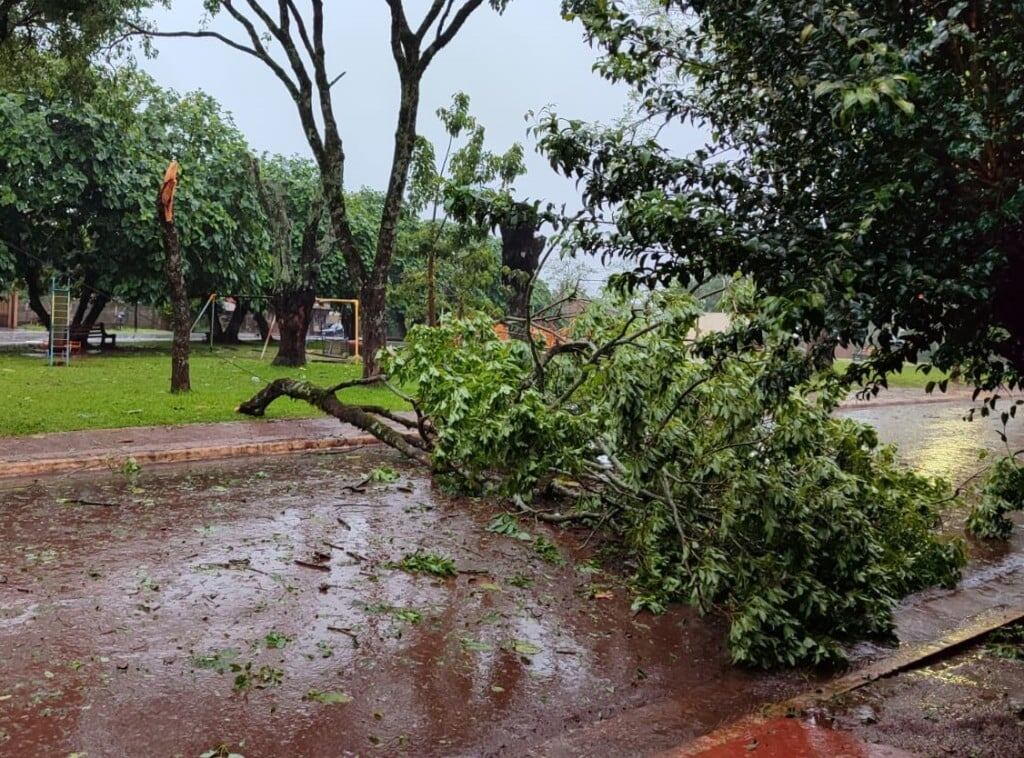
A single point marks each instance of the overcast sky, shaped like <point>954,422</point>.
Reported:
<point>526,59</point>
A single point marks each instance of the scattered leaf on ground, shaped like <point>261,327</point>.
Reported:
<point>328,698</point>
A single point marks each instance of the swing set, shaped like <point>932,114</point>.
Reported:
<point>334,342</point>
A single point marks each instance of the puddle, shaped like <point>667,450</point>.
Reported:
<point>115,618</point>
<point>113,646</point>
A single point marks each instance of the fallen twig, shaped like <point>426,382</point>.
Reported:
<point>81,501</point>
<point>316,566</point>
<point>347,632</point>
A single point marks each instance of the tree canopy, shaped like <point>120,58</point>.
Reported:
<point>34,32</point>
<point>291,44</point>
<point>76,186</point>
<point>864,167</point>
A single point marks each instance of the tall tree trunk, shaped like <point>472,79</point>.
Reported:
<point>261,324</point>
<point>374,325</point>
<point>180,316</point>
<point>294,310</point>
<point>234,327</point>
<point>35,295</point>
<point>1006,303</point>
<point>432,286</point>
<point>521,248</point>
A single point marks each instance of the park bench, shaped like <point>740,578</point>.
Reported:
<point>95,332</point>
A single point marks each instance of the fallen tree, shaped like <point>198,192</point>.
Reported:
<point>718,467</point>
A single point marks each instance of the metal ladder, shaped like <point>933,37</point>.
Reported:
<point>60,323</point>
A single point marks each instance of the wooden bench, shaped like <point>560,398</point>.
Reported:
<point>95,332</point>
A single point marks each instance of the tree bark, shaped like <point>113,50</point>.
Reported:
<point>35,296</point>
<point>180,316</point>
<point>99,302</point>
<point>374,324</point>
<point>261,324</point>
<point>83,304</point>
<point>367,418</point>
<point>294,309</point>
<point>228,335</point>
<point>432,286</point>
<point>85,319</point>
<point>236,321</point>
<point>521,248</point>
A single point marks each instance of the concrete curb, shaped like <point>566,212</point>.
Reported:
<point>867,405</point>
<point>114,460</point>
<point>903,660</point>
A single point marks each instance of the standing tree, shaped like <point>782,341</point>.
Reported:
<point>865,167</point>
<point>522,245</point>
<point>76,193</point>
<point>284,194</point>
<point>292,46</point>
<point>180,316</point>
<point>521,249</point>
<point>72,30</point>
<point>467,166</point>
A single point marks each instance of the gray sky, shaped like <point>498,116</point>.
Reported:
<point>524,60</point>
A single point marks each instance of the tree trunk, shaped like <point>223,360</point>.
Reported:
<point>432,286</point>
<point>370,419</point>
<point>261,324</point>
<point>85,319</point>
<point>521,249</point>
<point>35,296</point>
<point>374,325</point>
<point>180,316</point>
<point>1006,304</point>
<point>294,311</point>
<point>234,327</point>
<point>83,305</point>
<point>98,304</point>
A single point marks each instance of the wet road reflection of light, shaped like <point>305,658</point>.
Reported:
<point>936,439</point>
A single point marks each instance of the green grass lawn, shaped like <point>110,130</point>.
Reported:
<point>908,378</point>
<point>129,387</point>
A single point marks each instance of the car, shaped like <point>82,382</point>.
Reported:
<point>334,330</point>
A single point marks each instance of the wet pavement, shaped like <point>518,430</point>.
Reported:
<point>129,608</point>
<point>255,605</point>
<point>968,704</point>
<point>935,439</point>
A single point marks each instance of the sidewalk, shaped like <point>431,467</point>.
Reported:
<point>110,448</point>
<point>911,396</point>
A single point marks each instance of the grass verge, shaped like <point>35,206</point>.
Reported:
<point>130,387</point>
<point>909,378</point>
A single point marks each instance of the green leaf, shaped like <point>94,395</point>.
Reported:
<point>328,698</point>
<point>905,105</point>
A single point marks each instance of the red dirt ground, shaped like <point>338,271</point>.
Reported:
<point>120,599</point>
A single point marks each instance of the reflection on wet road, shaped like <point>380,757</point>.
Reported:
<point>242,603</point>
<point>935,439</point>
<point>125,605</point>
